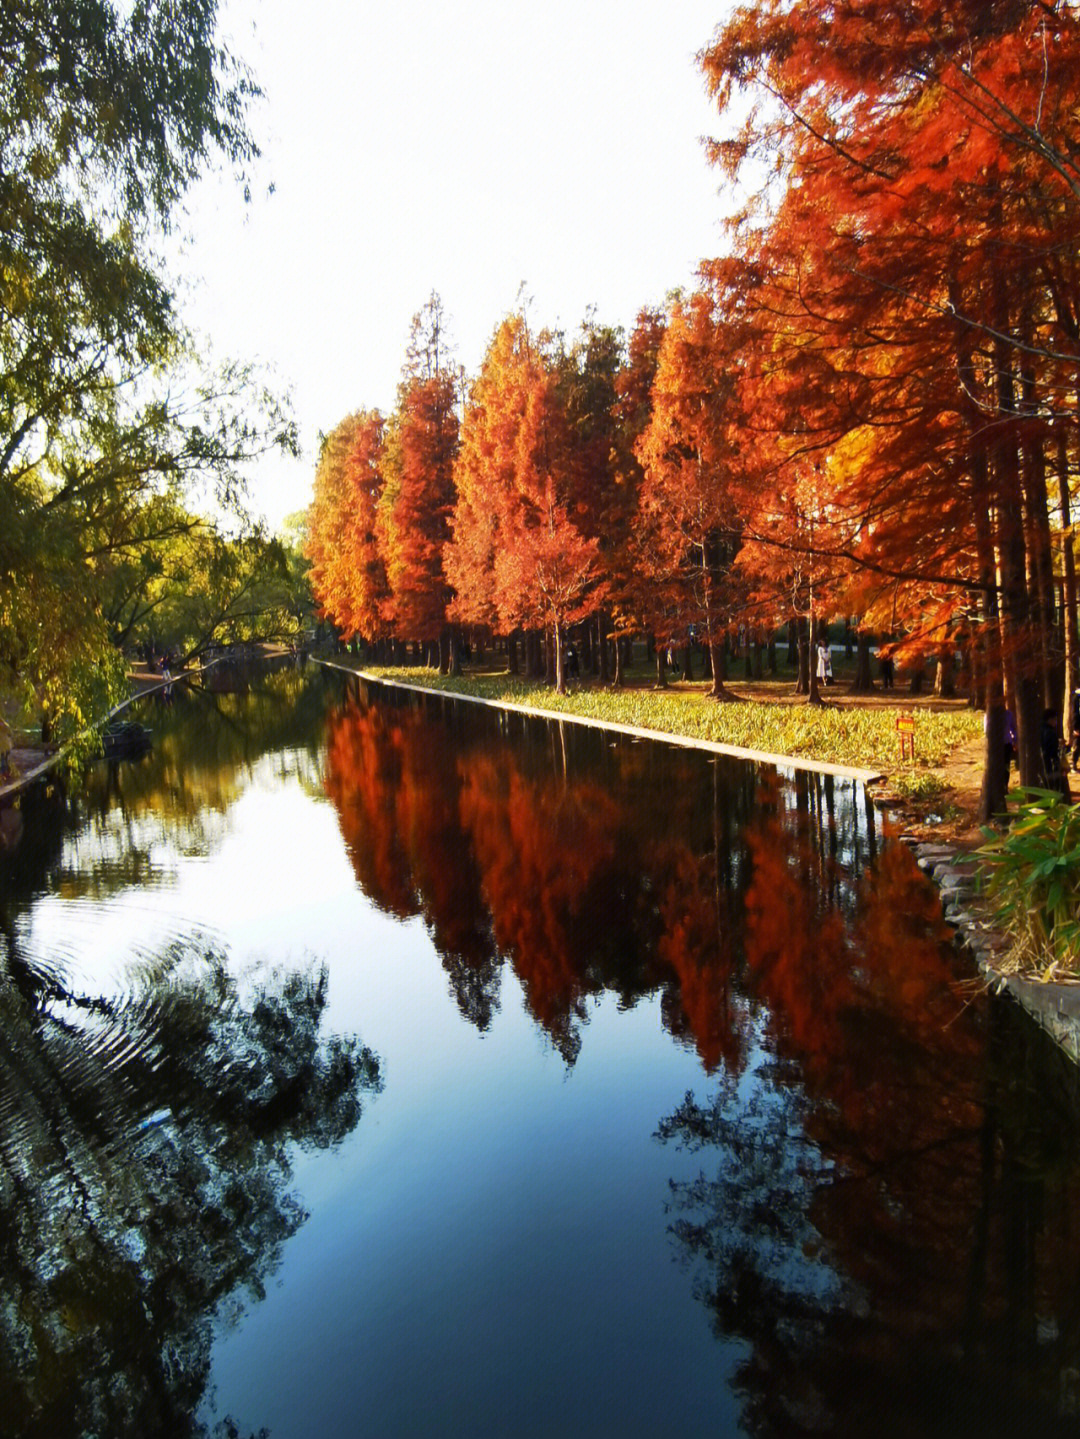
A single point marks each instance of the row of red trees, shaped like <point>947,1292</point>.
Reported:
<point>869,406</point>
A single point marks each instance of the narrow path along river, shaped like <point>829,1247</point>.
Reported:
<point>377,1064</point>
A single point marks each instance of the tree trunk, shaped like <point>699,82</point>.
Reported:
<point>718,662</point>
<point>560,664</point>
<point>1072,638</point>
<point>945,677</point>
<point>661,660</point>
<point>813,694</point>
<point>864,680</point>
<point>802,650</point>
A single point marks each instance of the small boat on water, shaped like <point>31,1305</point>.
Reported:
<point>125,739</point>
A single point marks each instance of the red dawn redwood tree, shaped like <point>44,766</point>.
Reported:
<point>514,478</point>
<point>418,493</point>
<point>928,230</point>
<point>348,577</point>
<point>687,518</point>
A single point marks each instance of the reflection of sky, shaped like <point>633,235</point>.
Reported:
<point>242,884</point>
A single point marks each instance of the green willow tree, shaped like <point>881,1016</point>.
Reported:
<point>108,112</point>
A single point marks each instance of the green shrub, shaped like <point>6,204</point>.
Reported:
<point>1032,875</point>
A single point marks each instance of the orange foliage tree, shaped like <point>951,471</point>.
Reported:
<point>418,492</point>
<point>687,512</point>
<point>348,576</point>
<point>915,255</point>
<point>516,557</point>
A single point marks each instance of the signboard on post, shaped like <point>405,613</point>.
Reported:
<point>905,728</point>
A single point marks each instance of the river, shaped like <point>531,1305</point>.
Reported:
<point>378,1064</point>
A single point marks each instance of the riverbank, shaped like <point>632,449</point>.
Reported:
<point>29,763</point>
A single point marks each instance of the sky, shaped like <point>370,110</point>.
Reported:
<point>470,150</point>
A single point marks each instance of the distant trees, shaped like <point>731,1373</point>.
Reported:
<point>868,408</point>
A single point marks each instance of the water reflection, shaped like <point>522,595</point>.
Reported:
<point>148,1131</point>
<point>526,853</point>
<point>145,1169</point>
<point>882,1215</point>
<point>908,1266</point>
<point>873,1170</point>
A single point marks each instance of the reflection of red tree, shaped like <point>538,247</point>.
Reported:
<point>395,789</point>
<point>914,1197</point>
<point>795,941</point>
<point>541,848</point>
<point>505,855</point>
<point>363,773</point>
<point>695,941</point>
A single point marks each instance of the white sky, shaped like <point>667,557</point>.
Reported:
<point>414,146</point>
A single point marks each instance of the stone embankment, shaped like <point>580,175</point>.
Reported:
<point>1055,1006</point>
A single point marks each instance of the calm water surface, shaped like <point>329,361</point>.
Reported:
<point>380,1065</point>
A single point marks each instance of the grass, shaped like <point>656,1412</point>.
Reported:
<point>847,735</point>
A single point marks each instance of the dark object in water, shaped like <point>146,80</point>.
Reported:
<point>124,739</point>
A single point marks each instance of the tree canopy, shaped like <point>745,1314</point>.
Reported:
<point>108,112</point>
